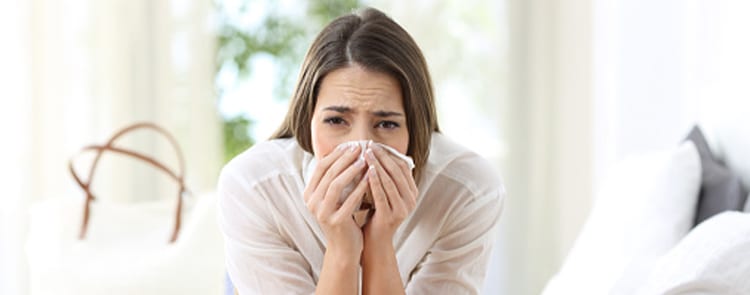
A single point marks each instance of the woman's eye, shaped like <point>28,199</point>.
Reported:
<point>388,125</point>
<point>334,121</point>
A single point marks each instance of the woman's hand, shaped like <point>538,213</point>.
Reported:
<point>393,191</point>
<point>332,174</point>
<point>395,196</point>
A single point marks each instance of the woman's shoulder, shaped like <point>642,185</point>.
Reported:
<point>453,161</point>
<point>265,159</point>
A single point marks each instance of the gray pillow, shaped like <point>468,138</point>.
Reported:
<point>721,189</point>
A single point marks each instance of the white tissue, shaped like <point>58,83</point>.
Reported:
<point>364,144</point>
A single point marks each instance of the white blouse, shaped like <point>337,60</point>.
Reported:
<point>274,245</point>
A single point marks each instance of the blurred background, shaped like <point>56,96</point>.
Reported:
<point>553,92</point>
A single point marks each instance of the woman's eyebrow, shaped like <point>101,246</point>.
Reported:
<point>340,109</point>
<point>387,114</point>
<point>381,113</point>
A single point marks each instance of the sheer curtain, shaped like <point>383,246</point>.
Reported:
<point>15,111</point>
<point>75,71</point>
<point>549,130</point>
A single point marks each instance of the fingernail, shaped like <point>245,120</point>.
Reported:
<point>359,163</point>
<point>370,155</point>
<point>353,147</point>
<point>341,147</point>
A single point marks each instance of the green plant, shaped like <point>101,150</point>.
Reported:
<point>281,36</point>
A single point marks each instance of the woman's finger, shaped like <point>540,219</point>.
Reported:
<point>339,165</point>
<point>321,168</point>
<point>330,170</point>
<point>390,166</point>
<point>391,163</point>
<point>354,199</point>
<point>392,193</point>
<point>376,188</point>
<point>334,190</point>
<point>329,160</point>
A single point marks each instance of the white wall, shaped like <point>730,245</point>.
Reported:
<point>662,67</point>
<point>642,71</point>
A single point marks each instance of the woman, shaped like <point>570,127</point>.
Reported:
<point>288,205</point>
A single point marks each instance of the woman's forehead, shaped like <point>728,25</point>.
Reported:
<point>357,104</point>
<point>358,89</point>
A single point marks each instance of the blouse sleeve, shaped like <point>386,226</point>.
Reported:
<point>457,262</point>
<point>258,259</point>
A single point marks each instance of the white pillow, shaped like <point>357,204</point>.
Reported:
<point>713,259</point>
<point>643,209</point>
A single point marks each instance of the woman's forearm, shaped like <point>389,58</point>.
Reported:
<point>339,275</point>
<point>380,273</point>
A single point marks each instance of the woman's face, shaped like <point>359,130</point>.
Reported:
<point>356,104</point>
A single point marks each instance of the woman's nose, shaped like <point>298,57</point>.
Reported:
<point>361,132</point>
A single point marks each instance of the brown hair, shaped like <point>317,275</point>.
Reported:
<point>374,41</point>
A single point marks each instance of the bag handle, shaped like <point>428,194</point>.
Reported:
<point>109,147</point>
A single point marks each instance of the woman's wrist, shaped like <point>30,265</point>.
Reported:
<point>344,254</point>
<point>377,236</point>
<point>340,271</point>
<point>374,248</point>
<point>380,273</point>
